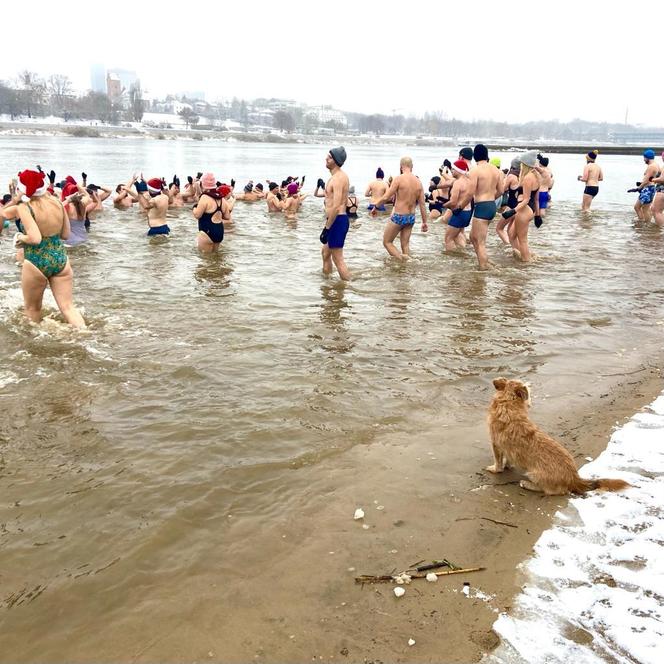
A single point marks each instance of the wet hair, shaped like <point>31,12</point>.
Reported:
<point>117,189</point>
<point>259,186</point>
<point>273,186</point>
<point>284,183</point>
<point>6,198</point>
<point>77,201</point>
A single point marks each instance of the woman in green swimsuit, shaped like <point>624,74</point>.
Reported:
<point>44,223</point>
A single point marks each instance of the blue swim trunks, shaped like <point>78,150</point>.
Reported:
<point>402,219</point>
<point>380,208</point>
<point>337,233</point>
<point>485,210</point>
<point>159,230</point>
<point>461,220</point>
<point>647,194</point>
<point>544,199</point>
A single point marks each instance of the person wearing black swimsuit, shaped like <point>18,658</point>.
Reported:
<point>527,207</point>
<point>211,210</point>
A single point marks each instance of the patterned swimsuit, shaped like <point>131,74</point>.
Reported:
<point>49,256</point>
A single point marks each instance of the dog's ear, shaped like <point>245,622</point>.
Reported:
<point>522,392</point>
<point>499,383</point>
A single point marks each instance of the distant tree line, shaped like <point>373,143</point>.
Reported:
<point>32,96</point>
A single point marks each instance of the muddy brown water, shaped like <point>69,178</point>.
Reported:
<point>146,463</point>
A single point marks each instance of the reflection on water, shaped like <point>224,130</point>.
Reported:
<point>202,377</point>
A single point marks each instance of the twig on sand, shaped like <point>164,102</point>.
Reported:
<point>624,373</point>
<point>385,578</point>
<point>486,518</point>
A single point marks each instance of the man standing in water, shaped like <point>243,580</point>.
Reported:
<point>592,176</point>
<point>546,182</point>
<point>484,185</point>
<point>156,206</point>
<point>645,188</point>
<point>333,235</point>
<point>408,192</point>
<point>375,189</point>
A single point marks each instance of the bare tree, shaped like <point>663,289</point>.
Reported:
<point>32,90</point>
<point>187,115</point>
<point>283,121</point>
<point>59,88</point>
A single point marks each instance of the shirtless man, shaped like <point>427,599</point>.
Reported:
<point>455,237</point>
<point>156,207</point>
<point>123,199</point>
<point>274,202</point>
<point>249,195</point>
<point>334,232</point>
<point>592,176</point>
<point>546,182</point>
<point>376,189</point>
<point>484,185</point>
<point>408,193</point>
<point>646,189</point>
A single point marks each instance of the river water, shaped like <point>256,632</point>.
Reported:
<point>203,381</point>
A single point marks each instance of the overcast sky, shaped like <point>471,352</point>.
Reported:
<point>470,59</point>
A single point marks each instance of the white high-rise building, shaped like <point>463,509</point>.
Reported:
<point>98,78</point>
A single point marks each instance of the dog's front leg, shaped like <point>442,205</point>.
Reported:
<point>498,460</point>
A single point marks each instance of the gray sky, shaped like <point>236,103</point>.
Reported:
<point>511,60</point>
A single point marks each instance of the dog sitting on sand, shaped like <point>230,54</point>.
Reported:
<point>516,441</point>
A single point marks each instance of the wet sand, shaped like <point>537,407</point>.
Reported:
<point>286,593</point>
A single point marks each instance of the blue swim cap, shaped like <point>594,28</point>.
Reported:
<point>649,154</point>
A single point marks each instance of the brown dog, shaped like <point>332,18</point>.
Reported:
<point>517,441</point>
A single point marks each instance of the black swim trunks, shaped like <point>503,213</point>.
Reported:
<point>591,191</point>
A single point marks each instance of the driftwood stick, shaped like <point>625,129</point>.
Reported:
<point>369,578</point>
<point>486,518</point>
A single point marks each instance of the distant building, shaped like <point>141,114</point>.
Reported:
<point>192,95</point>
<point>98,78</point>
<point>638,136</point>
<point>126,77</point>
<point>113,87</point>
<point>328,114</point>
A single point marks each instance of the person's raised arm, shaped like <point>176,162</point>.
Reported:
<point>199,208</point>
<point>105,194</point>
<point>31,234</point>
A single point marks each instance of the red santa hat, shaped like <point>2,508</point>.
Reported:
<point>224,190</point>
<point>31,183</point>
<point>460,166</point>
<point>155,185</point>
<point>70,180</point>
<point>69,190</point>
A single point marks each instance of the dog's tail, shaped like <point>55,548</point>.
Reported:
<point>581,485</point>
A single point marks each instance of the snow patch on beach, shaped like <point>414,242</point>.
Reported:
<point>594,588</point>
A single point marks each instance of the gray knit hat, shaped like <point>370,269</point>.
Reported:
<point>339,155</point>
<point>529,158</point>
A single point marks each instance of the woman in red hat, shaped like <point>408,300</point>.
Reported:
<point>43,225</point>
